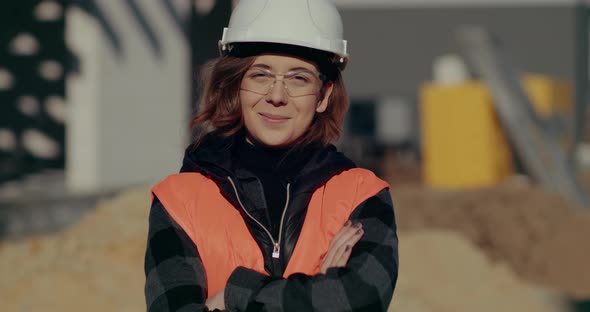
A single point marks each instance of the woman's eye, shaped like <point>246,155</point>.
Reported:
<point>259,75</point>
<point>301,78</point>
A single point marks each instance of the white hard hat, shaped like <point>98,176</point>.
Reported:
<point>313,24</point>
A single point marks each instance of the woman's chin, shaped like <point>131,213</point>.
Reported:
<point>276,141</point>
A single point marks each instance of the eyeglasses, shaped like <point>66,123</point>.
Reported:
<point>296,83</point>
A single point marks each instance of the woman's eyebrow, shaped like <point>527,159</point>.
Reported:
<point>300,69</point>
<point>263,66</point>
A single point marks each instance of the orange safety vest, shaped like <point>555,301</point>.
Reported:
<point>222,237</point>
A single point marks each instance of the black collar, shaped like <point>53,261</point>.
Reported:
<point>215,157</point>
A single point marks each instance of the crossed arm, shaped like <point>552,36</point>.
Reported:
<point>176,281</point>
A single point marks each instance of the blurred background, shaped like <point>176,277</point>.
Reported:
<point>475,111</point>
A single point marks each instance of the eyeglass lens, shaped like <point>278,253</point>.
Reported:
<point>297,83</point>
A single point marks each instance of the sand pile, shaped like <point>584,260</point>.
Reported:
<point>96,265</point>
<point>543,239</point>
<point>443,272</point>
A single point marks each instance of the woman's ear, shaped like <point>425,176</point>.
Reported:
<point>326,92</point>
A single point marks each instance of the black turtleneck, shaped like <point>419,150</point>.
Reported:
<point>275,167</point>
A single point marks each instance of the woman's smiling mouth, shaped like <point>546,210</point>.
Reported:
<point>273,119</point>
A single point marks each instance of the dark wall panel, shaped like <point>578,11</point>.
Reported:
<point>392,49</point>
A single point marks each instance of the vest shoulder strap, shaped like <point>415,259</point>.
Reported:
<point>367,184</point>
<point>177,190</point>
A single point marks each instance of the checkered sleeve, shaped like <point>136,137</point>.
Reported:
<point>366,283</point>
<point>175,279</point>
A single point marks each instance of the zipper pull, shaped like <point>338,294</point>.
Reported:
<point>276,251</point>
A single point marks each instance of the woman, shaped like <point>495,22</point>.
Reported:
<point>265,214</point>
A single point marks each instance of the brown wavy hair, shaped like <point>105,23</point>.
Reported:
<point>220,110</point>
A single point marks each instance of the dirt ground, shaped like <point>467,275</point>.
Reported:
<point>543,238</point>
<point>507,248</point>
<point>442,271</point>
<point>95,265</point>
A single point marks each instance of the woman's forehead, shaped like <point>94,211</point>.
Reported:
<point>282,62</point>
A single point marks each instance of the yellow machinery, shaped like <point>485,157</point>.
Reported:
<point>463,142</point>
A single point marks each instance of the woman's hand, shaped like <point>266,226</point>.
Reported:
<point>341,246</point>
<point>216,301</point>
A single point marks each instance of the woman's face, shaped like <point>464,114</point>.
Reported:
<point>285,112</point>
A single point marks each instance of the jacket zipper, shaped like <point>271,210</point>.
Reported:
<point>276,251</point>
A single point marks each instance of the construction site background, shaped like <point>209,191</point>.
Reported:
<point>477,230</point>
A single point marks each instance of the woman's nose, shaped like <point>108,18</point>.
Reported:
<point>277,95</point>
